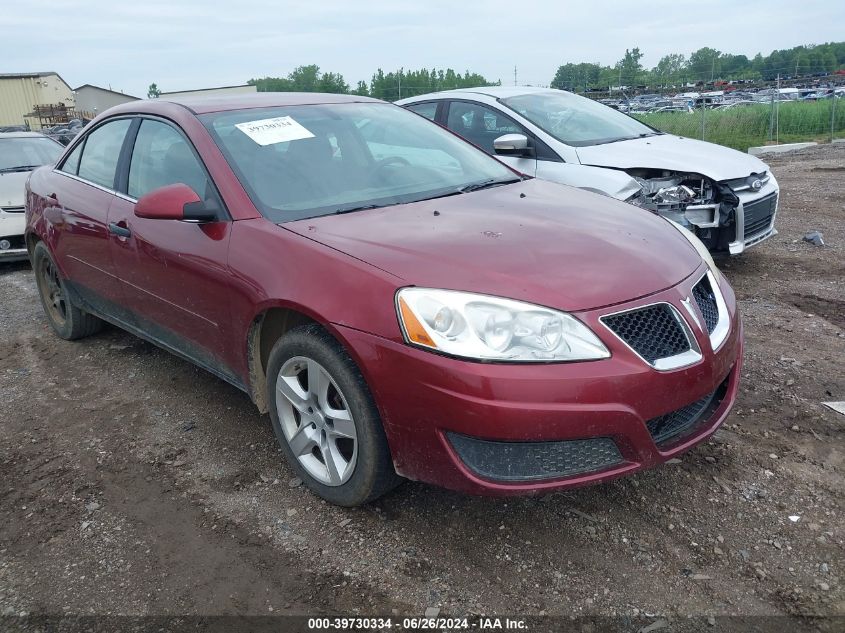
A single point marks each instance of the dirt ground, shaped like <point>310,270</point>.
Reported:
<point>134,483</point>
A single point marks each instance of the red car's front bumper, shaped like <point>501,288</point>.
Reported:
<point>426,400</point>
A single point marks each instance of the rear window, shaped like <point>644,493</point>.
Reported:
<point>27,152</point>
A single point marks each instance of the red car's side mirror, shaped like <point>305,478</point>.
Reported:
<point>173,202</point>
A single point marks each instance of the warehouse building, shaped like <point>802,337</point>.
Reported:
<point>94,99</point>
<point>21,94</point>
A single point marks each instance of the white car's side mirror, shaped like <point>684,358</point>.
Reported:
<point>512,145</point>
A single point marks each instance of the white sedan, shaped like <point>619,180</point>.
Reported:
<point>727,198</point>
<point>20,153</point>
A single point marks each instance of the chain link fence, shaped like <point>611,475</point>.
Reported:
<point>742,126</point>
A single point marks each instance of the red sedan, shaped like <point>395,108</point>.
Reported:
<point>402,304</point>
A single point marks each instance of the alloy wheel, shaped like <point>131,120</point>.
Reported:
<point>316,421</point>
<point>52,291</point>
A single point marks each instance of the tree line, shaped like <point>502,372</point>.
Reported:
<point>388,86</point>
<point>705,64</point>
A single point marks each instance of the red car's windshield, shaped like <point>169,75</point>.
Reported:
<point>304,161</point>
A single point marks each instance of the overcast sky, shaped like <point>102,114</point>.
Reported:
<point>186,44</point>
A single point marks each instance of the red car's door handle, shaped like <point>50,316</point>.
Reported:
<point>120,231</point>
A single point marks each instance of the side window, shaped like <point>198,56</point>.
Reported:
<point>101,153</point>
<point>161,157</point>
<point>71,165</point>
<point>428,110</point>
<point>479,124</point>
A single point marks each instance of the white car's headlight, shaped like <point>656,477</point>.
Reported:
<point>482,327</point>
<point>700,247</point>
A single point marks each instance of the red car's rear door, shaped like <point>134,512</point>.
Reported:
<point>174,273</point>
<point>82,191</point>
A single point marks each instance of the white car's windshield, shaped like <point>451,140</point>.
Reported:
<point>304,161</point>
<point>24,153</point>
<point>576,120</point>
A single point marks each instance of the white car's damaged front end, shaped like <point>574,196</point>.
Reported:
<point>728,198</point>
<point>727,216</point>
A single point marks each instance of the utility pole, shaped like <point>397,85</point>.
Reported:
<point>401,70</point>
<point>777,115</point>
<point>514,76</point>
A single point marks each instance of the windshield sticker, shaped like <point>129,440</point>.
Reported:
<point>278,130</point>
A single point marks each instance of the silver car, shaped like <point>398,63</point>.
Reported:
<point>20,153</point>
<point>727,198</point>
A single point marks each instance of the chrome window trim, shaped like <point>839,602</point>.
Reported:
<point>56,170</point>
<point>690,357</point>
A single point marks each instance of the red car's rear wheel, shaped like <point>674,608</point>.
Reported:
<point>67,320</point>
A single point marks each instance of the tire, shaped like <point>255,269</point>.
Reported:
<point>66,319</point>
<point>314,432</point>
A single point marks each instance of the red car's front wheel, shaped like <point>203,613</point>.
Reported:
<point>325,419</point>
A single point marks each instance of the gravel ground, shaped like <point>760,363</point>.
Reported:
<point>134,483</point>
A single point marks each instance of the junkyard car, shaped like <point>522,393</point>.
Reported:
<point>727,198</point>
<point>20,153</point>
<point>421,311</point>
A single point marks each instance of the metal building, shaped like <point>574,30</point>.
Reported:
<point>22,93</point>
<point>94,99</point>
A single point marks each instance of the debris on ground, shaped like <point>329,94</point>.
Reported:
<point>815,238</point>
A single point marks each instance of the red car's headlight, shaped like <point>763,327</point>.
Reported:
<point>483,327</point>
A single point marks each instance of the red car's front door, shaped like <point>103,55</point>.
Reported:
<point>174,273</point>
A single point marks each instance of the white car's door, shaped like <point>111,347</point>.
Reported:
<point>480,124</point>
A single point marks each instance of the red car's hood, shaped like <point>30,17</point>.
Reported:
<point>557,246</point>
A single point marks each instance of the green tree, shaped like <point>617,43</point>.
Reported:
<point>669,68</point>
<point>153,92</point>
<point>406,83</point>
<point>629,67</point>
<point>576,77</point>
<point>704,64</point>
<point>303,79</point>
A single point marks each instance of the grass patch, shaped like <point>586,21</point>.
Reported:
<point>747,126</point>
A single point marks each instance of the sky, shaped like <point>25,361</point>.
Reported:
<point>188,44</point>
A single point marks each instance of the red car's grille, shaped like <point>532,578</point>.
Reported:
<point>681,422</point>
<point>526,461</point>
<point>706,301</point>
<point>653,332</point>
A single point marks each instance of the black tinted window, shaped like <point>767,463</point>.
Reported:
<point>101,153</point>
<point>428,110</point>
<point>479,124</point>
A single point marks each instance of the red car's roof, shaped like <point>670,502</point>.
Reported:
<point>219,103</point>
